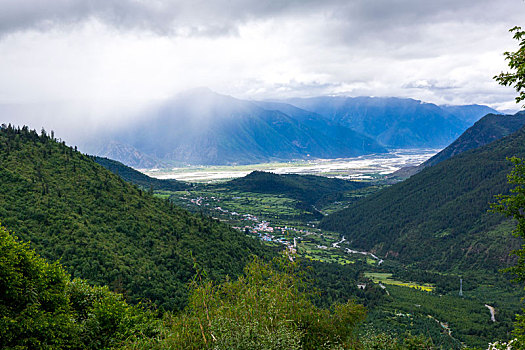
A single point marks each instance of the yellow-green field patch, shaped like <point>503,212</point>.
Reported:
<point>386,278</point>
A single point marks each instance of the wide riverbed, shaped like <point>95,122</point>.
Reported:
<point>365,167</point>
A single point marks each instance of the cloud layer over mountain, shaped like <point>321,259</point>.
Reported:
<point>107,55</point>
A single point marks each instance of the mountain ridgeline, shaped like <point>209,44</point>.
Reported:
<point>201,127</point>
<point>305,188</point>
<point>490,128</point>
<point>438,219</point>
<point>396,122</point>
<point>468,113</point>
<point>106,230</point>
<point>138,178</point>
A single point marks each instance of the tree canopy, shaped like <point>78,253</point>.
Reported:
<point>513,205</point>
<point>41,308</point>
<point>515,78</point>
<point>105,230</point>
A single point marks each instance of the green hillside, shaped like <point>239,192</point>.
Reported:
<point>136,177</point>
<point>104,229</point>
<point>306,188</point>
<point>488,129</point>
<point>41,308</point>
<point>267,307</point>
<point>438,219</point>
<point>311,192</point>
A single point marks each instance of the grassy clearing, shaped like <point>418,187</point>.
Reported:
<point>386,278</point>
<point>313,251</point>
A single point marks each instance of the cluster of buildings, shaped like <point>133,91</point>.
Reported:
<point>261,228</point>
<point>197,201</point>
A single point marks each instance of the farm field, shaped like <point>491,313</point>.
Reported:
<point>409,304</point>
<point>386,279</point>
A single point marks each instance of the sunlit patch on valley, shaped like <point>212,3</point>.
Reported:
<point>366,167</point>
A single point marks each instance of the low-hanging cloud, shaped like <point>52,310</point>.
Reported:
<point>105,58</point>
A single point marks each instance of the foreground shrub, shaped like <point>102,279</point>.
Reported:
<point>266,308</point>
<point>40,308</point>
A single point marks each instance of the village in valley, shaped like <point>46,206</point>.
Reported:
<point>271,227</point>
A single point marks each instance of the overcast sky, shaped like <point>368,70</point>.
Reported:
<point>107,54</point>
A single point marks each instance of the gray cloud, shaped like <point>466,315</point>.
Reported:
<point>394,25</point>
<point>386,19</point>
<point>442,51</point>
<point>430,85</point>
<point>197,17</point>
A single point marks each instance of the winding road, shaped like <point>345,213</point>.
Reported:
<point>492,312</point>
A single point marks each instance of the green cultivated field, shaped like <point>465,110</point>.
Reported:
<point>386,279</point>
<point>413,301</point>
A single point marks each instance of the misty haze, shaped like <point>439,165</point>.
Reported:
<point>277,174</point>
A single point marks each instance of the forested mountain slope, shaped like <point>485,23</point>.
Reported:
<point>41,308</point>
<point>305,188</point>
<point>104,229</point>
<point>486,130</point>
<point>438,218</point>
<point>489,128</point>
<point>138,178</point>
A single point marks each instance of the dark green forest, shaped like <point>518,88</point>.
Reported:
<point>438,219</point>
<point>268,307</point>
<point>138,178</point>
<point>105,230</point>
<point>42,308</point>
<point>305,188</point>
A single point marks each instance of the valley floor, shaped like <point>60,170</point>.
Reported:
<point>367,167</point>
<point>412,301</point>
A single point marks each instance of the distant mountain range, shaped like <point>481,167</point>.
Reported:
<point>128,154</point>
<point>469,113</point>
<point>396,122</point>
<point>202,127</point>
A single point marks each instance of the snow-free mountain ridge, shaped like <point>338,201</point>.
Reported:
<point>203,127</point>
